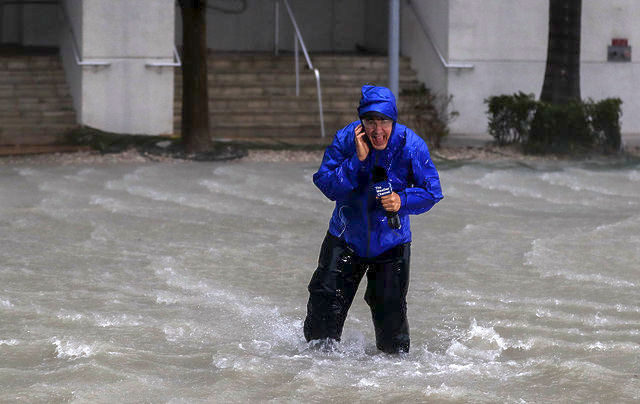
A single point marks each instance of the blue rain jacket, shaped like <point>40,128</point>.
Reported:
<point>358,217</point>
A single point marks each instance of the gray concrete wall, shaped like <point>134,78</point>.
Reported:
<point>128,96</point>
<point>11,26</point>
<point>506,41</point>
<point>414,43</point>
<point>41,25</point>
<point>326,26</point>
<point>70,39</point>
<point>30,24</point>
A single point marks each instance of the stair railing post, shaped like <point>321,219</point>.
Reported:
<point>319,91</point>
<point>297,64</point>
<point>298,37</point>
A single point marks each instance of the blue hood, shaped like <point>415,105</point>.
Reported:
<point>378,99</point>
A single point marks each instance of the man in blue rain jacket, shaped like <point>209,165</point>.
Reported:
<point>362,237</point>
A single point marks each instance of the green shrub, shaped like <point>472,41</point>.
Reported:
<point>559,128</point>
<point>510,117</point>
<point>429,114</point>
<point>605,121</point>
<point>539,127</point>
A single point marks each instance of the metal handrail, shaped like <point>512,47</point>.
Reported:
<point>298,39</point>
<point>177,62</point>
<point>109,61</point>
<point>74,43</point>
<point>433,44</point>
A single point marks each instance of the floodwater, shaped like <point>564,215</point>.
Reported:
<point>186,282</point>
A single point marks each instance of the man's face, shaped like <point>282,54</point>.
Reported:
<point>378,130</point>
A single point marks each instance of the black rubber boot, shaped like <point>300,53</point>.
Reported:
<point>386,295</point>
<point>331,290</point>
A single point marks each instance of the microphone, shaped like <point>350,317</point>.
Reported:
<point>382,186</point>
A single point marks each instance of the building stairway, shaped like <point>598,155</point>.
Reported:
<point>35,103</point>
<point>253,95</point>
<point>250,96</point>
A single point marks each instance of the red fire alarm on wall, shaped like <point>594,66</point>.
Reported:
<point>619,50</point>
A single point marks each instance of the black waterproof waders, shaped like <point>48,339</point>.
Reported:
<point>334,285</point>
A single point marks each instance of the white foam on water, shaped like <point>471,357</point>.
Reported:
<point>549,259</point>
<point>365,383</point>
<point>506,182</point>
<point>117,320</point>
<point>543,307</point>
<point>587,278</point>
<point>580,180</point>
<point>111,204</point>
<point>613,347</point>
<point>28,172</point>
<point>103,320</point>
<point>189,331</point>
<point>6,303</point>
<point>478,342</point>
<point>70,316</point>
<point>71,349</point>
<point>445,392</point>
<point>9,342</point>
<point>264,316</point>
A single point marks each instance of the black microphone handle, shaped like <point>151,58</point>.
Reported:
<point>393,220</point>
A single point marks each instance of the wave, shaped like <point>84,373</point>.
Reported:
<point>71,349</point>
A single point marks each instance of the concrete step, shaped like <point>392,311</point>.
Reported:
<point>279,131</point>
<point>273,90</point>
<point>29,63</point>
<point>254,95</point>
<point>256,76</point>
<point>34,90</point>
<point>35,104</point>
<point>306,79</point>
<point>256,119</point>
<point>267,62</point>
<point>32,78</point>
<point>39,119</point>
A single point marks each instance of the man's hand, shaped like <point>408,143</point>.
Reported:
<point>362,148</point>
<point>391,202</point>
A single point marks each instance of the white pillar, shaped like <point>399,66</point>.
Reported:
<point>128,96</point>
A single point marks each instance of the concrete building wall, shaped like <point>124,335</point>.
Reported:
<point>29,24</point>
<point>601,22</point>
<point>415,44</point>
<point>69,41</point>
<point>506,41</point>
<point>11,23</point>
<point>128,96</point>
<point>43,25</point>
<point>375,24</point>
<point>326,26</point>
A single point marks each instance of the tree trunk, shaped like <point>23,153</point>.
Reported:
<point>195,92</point>
<point>562,75</point>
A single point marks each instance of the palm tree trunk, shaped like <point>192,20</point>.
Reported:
<point>195,94</point>
<point>562,75</point>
